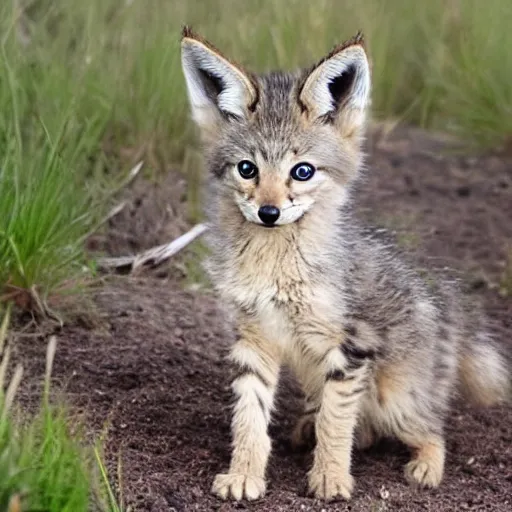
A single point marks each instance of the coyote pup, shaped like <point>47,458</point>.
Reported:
<point>375,351</point>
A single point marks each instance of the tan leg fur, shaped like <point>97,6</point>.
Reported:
<point>254,389</point>
<point>427,465</point>
<point>335,423</point>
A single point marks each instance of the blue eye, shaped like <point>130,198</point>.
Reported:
<point>247,169</point>
<point>302,172</point>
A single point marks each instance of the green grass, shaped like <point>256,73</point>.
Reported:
<point>86,88</point>
<point>43,221</point>
<point>47,204</point>
<point>44,463</point>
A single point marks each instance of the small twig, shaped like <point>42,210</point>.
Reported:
<point>11,391</point>
<point>155,256</point>
<point>118,208</point>
<point>131,176</point>
<point>3,330</point>
<point>50,357</point>
<point>112,263</point>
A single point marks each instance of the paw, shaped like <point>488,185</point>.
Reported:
<point>330,484</point>
<point>423,473</point>
<point>303,435</point>
<point>238,486</point>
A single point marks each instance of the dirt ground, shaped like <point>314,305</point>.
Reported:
<point>150,369</point>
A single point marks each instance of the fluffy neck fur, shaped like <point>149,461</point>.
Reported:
<point>317,243</point>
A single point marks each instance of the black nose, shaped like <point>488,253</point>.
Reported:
<point>268,214</point>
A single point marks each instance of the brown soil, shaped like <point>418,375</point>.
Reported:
<point>152,371</point>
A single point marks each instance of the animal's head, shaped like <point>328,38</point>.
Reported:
<point>280,144</point>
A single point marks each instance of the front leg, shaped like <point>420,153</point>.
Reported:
<point>344,372</point>
<point>257,362</point>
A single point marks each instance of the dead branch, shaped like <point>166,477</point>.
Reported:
<point>155,256</point>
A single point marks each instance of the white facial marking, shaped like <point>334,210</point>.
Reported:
<point>302,192</point>
<point>248,208</point>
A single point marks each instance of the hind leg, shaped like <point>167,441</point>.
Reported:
<point>303,434</point>
<point>416,419</point>
<point>426,467</point>
<point>365,434</point>
<point>421,430</point>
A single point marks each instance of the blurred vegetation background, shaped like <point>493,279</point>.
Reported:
<point>88,88</point>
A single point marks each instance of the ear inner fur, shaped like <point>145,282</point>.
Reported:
<point>246,77</point>
<point>322,104</point>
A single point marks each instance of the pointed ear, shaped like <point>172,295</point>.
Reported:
<point>338,88</point>
<point>216,88</point>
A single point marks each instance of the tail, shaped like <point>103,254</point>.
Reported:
<point>484,372</point>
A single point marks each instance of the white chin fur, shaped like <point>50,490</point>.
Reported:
<point>289,214</point>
